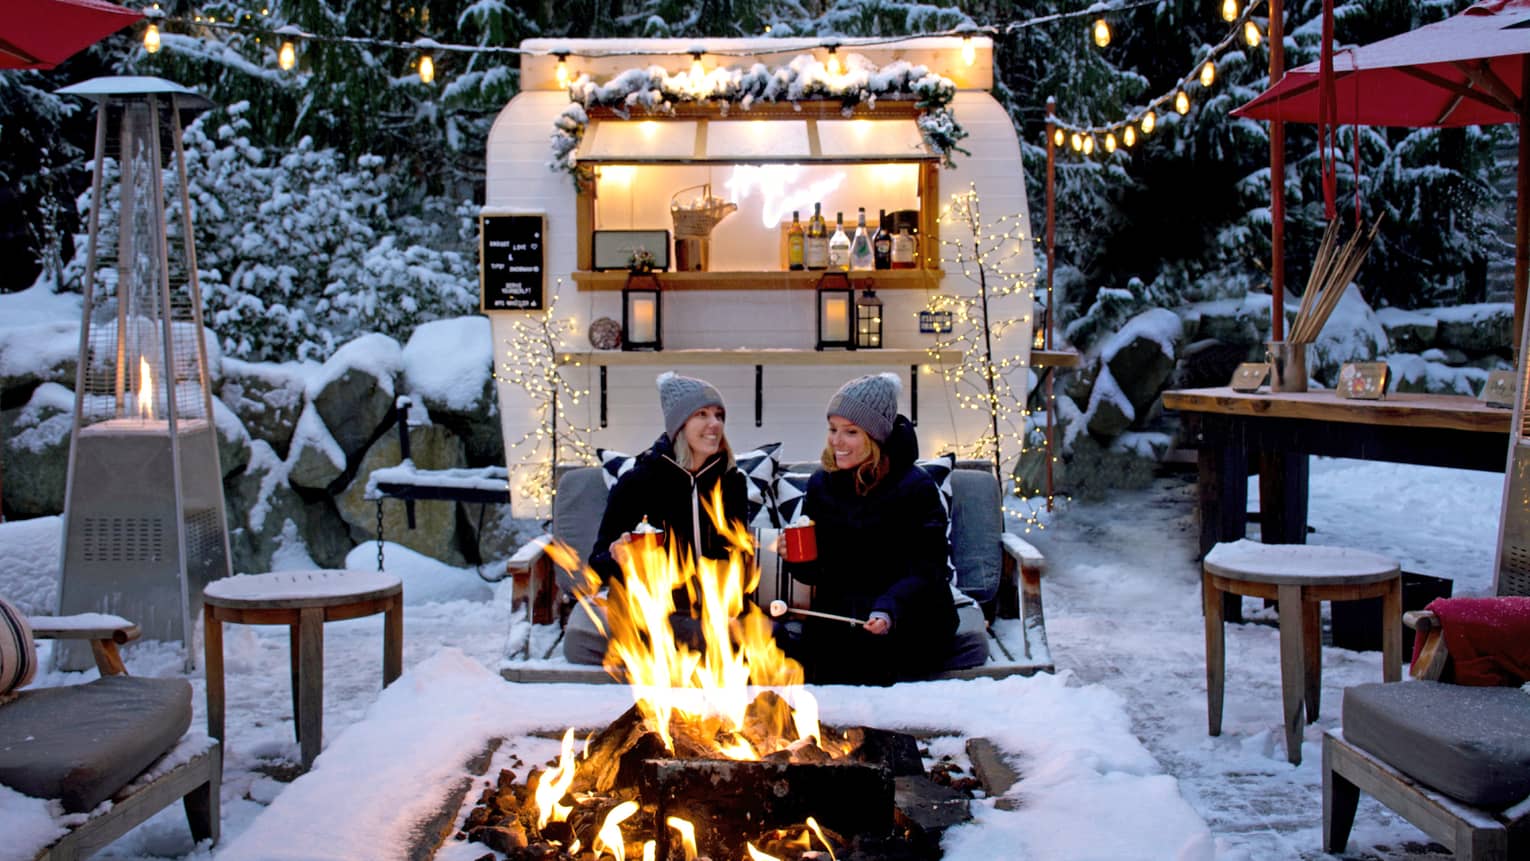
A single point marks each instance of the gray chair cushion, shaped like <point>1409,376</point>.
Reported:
<point>977,522</point>
<point>1470,743</point>
<point>583,643</point>
<point>82,743</point>
<point>576,516</point>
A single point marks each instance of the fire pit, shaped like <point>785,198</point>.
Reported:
<point>705,764</point>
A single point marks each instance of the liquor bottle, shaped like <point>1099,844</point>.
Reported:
<point>861,256</point>
<point>881,243</point>
<point>815,248</point>
<point>794,244</point>
<point>903,249</point>
<point>839,245</point>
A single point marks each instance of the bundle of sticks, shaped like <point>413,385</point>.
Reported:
<point>1332,270</point>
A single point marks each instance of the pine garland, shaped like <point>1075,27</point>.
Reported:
<point>654,90</point>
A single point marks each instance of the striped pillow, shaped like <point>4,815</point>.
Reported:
<point>18,655</point>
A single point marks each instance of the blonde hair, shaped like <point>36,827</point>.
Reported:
<point>868,473</point>
<point>684,458</point>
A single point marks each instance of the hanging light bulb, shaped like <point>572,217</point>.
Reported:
<point>1101,32</point>
<point>151,39</point>
<point>1149,122</point>
<point>1182,102</point>
<point>562,71</point>
<point>427,69</point>
<point>1077,141</point>
<point>287,57</point>
<point>1251,34</point>
<point>833,66</point>
<point>1089,145</point>
<point>1058,137</point>
<point>698,71</point>
<point>1110,141</point>
<point>1129,136</point>
<point>1208,74</point>
<point>1229,10</point>
<point>969,50</point>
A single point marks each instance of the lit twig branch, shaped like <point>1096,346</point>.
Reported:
<point>532,363</point>
<point>988,255</point>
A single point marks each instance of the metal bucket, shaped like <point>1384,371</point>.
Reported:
<point>1288,366</point>
<point>692,254</point>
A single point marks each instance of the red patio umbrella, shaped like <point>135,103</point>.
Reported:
<point>40,34</point>
<point>1469,69</point>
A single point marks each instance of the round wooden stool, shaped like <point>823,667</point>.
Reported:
<point>1298,577</point>
<point>303,601</point>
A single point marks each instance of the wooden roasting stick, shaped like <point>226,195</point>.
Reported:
<point>1332,273</point>
<point>1315,279</point>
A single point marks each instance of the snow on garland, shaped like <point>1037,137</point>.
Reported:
<point>655,90</point>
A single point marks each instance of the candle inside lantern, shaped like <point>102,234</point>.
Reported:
<point>643,312</point>
<point>836,318</point>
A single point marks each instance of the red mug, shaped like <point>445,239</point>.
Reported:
<point>640,541</point>
<point>799,543</point>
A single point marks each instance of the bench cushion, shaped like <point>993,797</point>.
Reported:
<point>977,527</point>
<point>577,511</point>
<point>82,743</point>
<point>1471,743</point>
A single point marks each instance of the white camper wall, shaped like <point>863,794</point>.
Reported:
<point>794,394</point>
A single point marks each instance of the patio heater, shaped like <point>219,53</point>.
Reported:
<point>144,526</point>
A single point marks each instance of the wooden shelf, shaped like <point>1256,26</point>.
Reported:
<point>881,358</point>
<point>1055,359</point>
<point>883,279</point>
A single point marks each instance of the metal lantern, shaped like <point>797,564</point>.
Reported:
<point>868,320</point>
<point>144,526</point>
<point>836,312</point>
<point>642,313</point>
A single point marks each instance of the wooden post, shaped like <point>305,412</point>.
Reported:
<point>1277,183</point>
<point>1051,265</point>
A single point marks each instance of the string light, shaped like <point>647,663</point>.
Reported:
<point>287,58</point>
<point>1088,144</point>
<point>1229,10</point>
<point>427,69</point>
<point>1129,136</point>
<point>1058,138</point>
<point>1208,75</point>
<point>1110,141</point>
<point>1101,32</point>
<point>562,71</point>
<point>1182,102</point>
<point>833,66</point>
<point>969,50</point>
<point>1077,140</point>
<point>698,71</point>
<point>1149,122</point>
<point>1251,34</point>
<point>151,39</point>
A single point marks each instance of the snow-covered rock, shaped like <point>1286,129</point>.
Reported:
<point>354,390</point>
<point>448,367</point>
<point>267,397</point>
<point>315,459</point>
<point>1414,373</point>
<point>1483,327</point>
<point>1231,321</point>
<point>1141,357</point>
<point>435,535</point>
<point>32,555</point>
<point>1353,333</point>
<point>1408,331</point>
<point>37,452</point>
<point>39,353</point>
<point>233,439</point>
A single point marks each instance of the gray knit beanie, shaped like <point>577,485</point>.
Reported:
<point>871,402</point>
<point>680,397</point>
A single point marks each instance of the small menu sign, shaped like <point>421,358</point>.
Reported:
<point>512,262</point>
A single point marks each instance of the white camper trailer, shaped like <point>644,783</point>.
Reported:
<point>728,307</point>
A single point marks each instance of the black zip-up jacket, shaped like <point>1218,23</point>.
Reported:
<point>671,498</point>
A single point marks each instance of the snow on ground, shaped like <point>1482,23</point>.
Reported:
<point>1119,732</point>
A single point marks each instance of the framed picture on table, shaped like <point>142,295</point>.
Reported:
<point>1365,381</point>
<point>1249,376</point>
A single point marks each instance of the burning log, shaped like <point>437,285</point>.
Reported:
<point>731,802</point>
<point>616,753</point>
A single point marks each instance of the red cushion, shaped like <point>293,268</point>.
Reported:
<point>1488,639</point>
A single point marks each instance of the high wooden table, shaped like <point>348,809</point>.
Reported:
<point>303,601</point>
<point>1277,431</point>
<point>1299,577</point>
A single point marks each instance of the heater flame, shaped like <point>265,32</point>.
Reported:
<point>707,691</point>
<point>145,389</point>
<point>610,834</point>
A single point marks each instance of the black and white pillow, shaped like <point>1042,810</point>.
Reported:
<point>791,492</point>
<point>18,655</point>
<point>759,466</point>
<point>940,468</point>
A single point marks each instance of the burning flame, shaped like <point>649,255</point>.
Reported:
<point>687,836</point>
<point>813,824</point>
<point>757,855</point>
<point>610,834</point>
<point>707,690</point>
<point>554,784</point>
<point>145,389</point>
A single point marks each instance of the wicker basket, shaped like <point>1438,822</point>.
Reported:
<point>695,218</point>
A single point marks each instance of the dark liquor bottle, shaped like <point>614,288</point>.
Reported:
<point>881,243</point>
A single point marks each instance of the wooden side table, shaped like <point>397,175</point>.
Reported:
<point>1298,577</point>
<point>303,601</point>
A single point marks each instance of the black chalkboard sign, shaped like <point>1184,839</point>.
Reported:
<point>512,258</point>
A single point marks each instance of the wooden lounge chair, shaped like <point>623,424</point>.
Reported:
<point>115,748</point>
<point>1452,759</point>
<point>999,572</point>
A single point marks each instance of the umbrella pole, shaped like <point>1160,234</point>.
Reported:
<point>1522,200</point>
<point>1277,184</point>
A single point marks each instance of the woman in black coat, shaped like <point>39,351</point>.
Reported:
<point>671,484</point>
<point>882,549</point>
